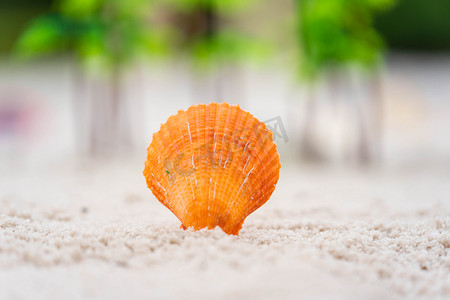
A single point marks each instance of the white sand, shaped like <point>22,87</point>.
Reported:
<point>100,233</point>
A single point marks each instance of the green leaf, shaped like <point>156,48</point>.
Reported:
<point>45,35</point>
<point>79,8</point>
<point>336,33</point>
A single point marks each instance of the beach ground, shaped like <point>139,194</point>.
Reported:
<point>85,231</point>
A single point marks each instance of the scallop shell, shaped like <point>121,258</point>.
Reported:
<point>212,165</point>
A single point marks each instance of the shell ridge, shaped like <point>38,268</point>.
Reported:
<point>237,162</point>
<point>239,124</point>
<point>200,137</point>
<point>163,199</point>
<point>259,160</point>
<point>210,115</point>
<point>204,155</point>
<point>181,115</point>
<point>253,207</point>
<point>250,156</point>
<point>236,116</point>
<point>216,125</point>
<point>263,182</point>
<point>229,115</point>
<point>186,119</point>
<point>179,154</point>
<point>170,133</point>
<point>192,157</point>
<point>169,204</point>
<point>153,182</point>
<point>245,180</point>
<point>239,195</point>
<point>272,166</point>
<point>158,184</point>
<point>208,164</point>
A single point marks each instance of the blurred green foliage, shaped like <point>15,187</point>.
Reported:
<point>225,46</point>
<point>336,33</point>
<point>330,33</point>
<point>226,7</point>
<point>105,33</point>
<point>203,31</point>
<point>417,25</point>
<point>108,33</point>
<point>14,16</point>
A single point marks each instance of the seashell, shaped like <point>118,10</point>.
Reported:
<point>212,165</point>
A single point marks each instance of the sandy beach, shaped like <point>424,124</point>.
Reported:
<point>324,234</point>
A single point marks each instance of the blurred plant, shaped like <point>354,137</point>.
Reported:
<point>203,32</point>
<point>99,32</point>
<point>334,35</point>
<point>105,37</point>
<point>402,30</point>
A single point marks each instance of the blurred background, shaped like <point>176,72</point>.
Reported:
<point>348,83</point>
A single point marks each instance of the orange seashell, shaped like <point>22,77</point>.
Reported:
<point>212,165</point>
